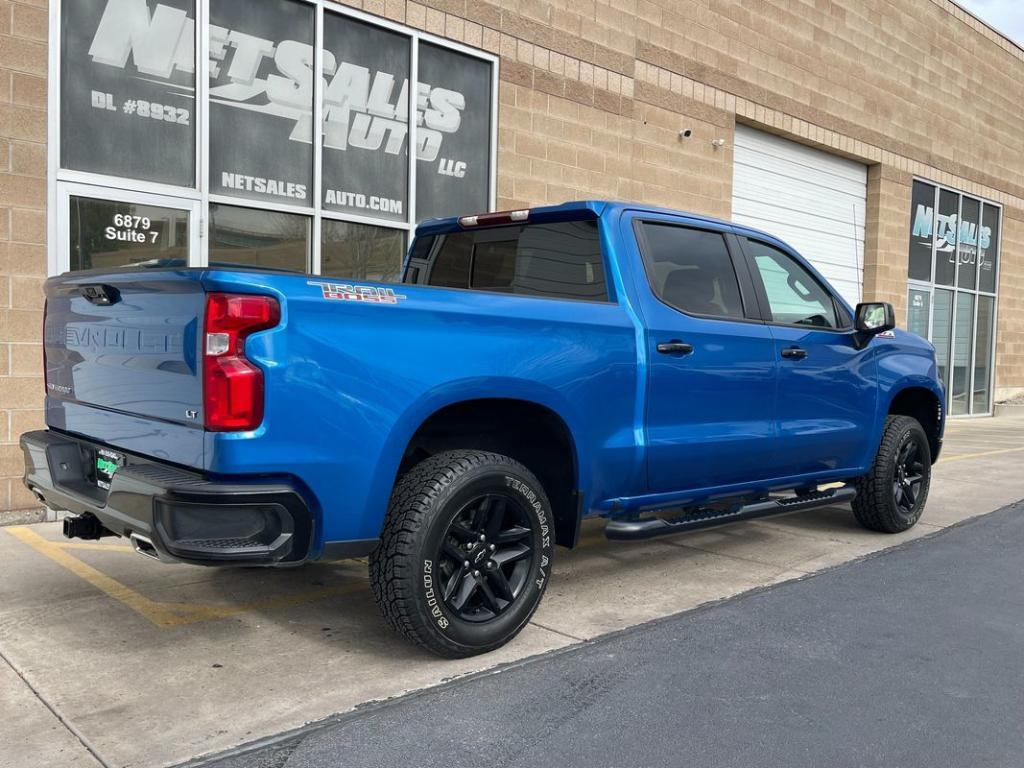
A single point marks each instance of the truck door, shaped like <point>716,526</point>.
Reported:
<point>711,363</point>
<point>826,398</point>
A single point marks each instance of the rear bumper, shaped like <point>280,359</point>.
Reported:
<point>186,516</point>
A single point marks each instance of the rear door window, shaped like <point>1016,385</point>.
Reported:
<point>560,260</point>
<point>691,270</point>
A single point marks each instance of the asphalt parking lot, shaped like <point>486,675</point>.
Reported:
<point>111,660</point>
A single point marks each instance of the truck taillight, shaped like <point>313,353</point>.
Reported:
<point>232,386</point>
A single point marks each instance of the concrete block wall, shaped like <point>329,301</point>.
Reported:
<point>23,128</point>
<point>593,95</point>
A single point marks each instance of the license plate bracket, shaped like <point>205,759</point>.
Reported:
<point>105,465</point>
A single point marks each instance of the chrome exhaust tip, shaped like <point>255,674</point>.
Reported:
<point>144,546</point>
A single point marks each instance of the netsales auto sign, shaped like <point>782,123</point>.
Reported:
<point>265,74</point>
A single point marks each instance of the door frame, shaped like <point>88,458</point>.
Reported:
<point>60,258</point>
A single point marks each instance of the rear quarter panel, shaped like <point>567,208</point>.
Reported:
<point>348,383</point>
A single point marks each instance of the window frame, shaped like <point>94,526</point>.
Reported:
<point>425,265</point>
<point>842,316</point>
<point>748,298</point>
<point>105,186</point>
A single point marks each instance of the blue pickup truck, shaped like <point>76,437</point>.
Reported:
<point>661,370</point>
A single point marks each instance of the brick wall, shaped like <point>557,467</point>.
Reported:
<point>23,63</point>
<point>593,96</point>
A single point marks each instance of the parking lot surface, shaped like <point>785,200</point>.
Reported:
<point>109,659</point>
<point>909,659</point>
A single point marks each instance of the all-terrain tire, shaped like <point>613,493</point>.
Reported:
<point>880,504</point>
<point>407,570</point>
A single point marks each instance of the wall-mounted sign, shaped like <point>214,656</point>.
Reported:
<point>128,88</point>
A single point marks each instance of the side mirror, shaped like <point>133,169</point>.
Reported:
<point>871,319</point>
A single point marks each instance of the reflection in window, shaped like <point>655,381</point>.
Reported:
<point>106,234</point>
<point>255,238</point>
<point>794,296</point>
<point>941,332</point>
<point>982,396</point>
<point>361,251</point>
<point>962,352</point>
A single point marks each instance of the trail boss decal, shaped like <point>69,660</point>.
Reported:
<point>365,293</point>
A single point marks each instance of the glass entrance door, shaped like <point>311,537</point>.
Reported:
<point>99,228</point>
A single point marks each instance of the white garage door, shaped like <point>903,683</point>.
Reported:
<point>810,199</point>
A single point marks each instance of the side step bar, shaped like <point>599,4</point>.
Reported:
<point>648,528</point>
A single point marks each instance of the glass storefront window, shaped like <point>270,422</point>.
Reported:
<point>942,329</point>
<point>962,353</point>
<point>945,237</point>
<point>106,234</point>
<point>922,229</point>
<point>952,269</point>
<point>396,103</point>
<point>127,89</point>
<point>254,238</point>
<point>919,312</point>
<point>988,259</point>
<point>366,119</point>
<point>967,248</point>
<point>361,251</point>
<point>982,394</point>
<point>261,100</point>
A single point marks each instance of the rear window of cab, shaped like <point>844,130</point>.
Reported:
<point>560,260</point>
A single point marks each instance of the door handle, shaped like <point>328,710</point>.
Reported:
<point>675,348</point>
<point>794,353</point>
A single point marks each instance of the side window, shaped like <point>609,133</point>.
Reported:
<point>795,297</point>
<point>690,270</point>
<point>558,260</point>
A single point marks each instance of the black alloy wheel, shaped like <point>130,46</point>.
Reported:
<point>486,557</point>
<point>891,496</point>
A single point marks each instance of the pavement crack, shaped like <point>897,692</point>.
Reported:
<point>55,711</point>
<point>559,632</point>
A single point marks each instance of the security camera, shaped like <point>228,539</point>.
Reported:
<point>686,133</point>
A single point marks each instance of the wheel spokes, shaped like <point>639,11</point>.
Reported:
<point>465,591</point>
<point>510,555</point>
<point>512,535</point>
<point>500,585</point>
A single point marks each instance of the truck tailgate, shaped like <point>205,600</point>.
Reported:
<point>126,345</point>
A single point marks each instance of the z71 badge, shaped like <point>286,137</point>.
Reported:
<point>367,293</point>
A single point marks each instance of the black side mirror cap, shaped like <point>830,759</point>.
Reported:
<point>871,319</point>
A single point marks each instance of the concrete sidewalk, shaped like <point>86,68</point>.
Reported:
<point>109,659</point>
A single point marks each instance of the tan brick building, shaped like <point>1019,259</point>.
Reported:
<point>129,107</point>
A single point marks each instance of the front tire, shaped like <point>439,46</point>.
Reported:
<point>891,497</point>
<point>465,554</point>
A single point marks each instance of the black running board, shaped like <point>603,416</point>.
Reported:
<point>649,527</point>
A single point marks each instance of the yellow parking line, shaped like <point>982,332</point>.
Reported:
<point>91,546</point>
<point>962,456</point>
<point>159,613</point>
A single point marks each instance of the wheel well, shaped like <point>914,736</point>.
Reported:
<point>531,434</point>
<point>923,405</point>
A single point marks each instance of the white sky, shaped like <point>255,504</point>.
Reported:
<point>1005,15</point>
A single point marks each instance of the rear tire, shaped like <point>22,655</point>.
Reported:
<point>465,553</point>
<point>891,497</point>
